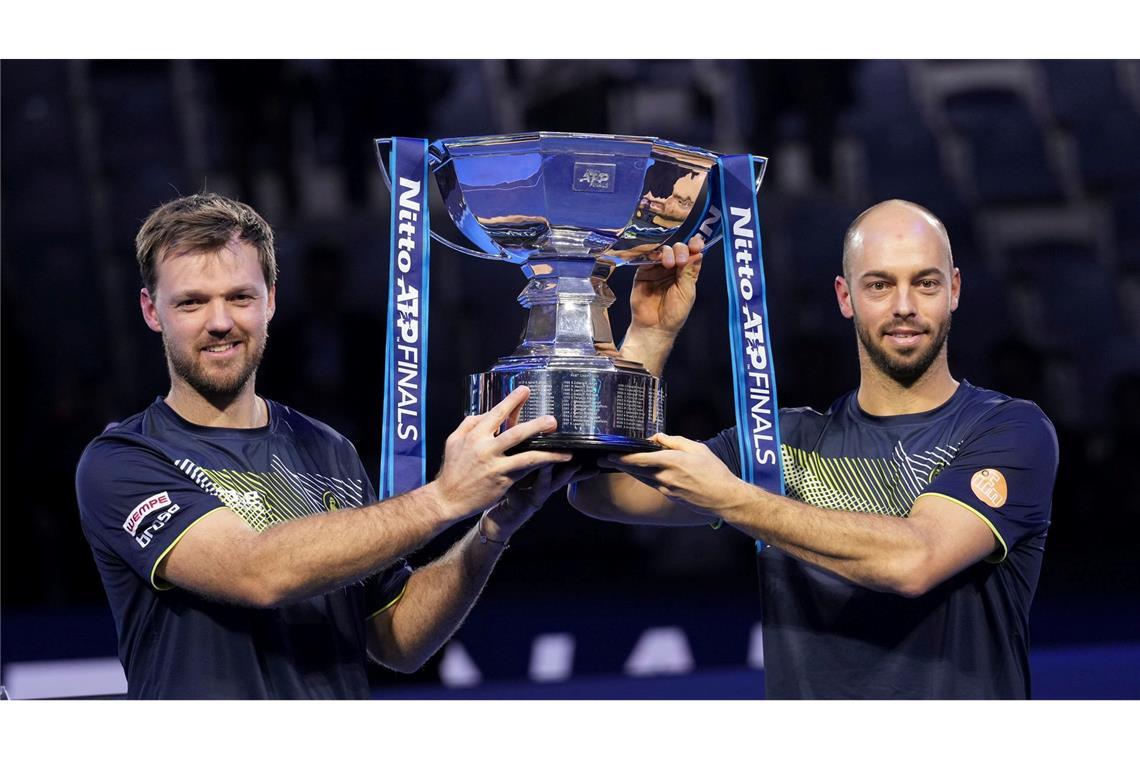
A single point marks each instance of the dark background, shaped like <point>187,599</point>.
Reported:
<point>1034,166</point>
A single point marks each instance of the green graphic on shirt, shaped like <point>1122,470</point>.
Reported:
<point>886,486</point>
<point>263,499</point>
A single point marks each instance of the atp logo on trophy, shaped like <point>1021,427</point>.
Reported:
<point>596,178</point>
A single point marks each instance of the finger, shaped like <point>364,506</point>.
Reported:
<point>646,476</point>
<point>668,257</point>
<point>676,442</point>
<point>681,254</point>
<point>643,474</point>
<point>512,437</point>
<point>608,347</point>
<point>522,463</point>
<point>696,245</point>
<point>469,422</point>
<point>494,418</point>
<point>650,460</point>
<point>693,270</point>
<point>513,419</point>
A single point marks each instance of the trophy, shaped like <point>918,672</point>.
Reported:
<point>568,209</point>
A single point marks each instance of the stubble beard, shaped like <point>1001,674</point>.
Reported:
<point>671,214</point>
<point>216,385</point>
<point>909,369</point>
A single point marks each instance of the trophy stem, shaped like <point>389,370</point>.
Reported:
<point>601,401</point>
<point>568,300</point>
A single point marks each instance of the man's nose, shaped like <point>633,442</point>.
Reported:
<point>218,319</point>
<point>904,302</point>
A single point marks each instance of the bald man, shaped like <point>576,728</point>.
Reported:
<point>903,561</point>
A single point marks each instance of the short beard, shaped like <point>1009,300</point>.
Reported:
<point>212,387</point>
<point>909,372</point>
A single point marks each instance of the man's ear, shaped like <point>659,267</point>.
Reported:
<point>271,305</point>
<point>149,310</point>
<point>843,296</point>
<point>955,288</point>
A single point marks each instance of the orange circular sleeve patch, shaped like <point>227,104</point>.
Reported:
<point>989,486</point>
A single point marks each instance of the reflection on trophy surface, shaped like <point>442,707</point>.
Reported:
<point>569,208</point>
<point>671,211</point>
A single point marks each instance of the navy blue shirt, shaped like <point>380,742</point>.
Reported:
<point>825,637</point>
<point>143,483</point>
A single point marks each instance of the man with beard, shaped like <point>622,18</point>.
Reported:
<point>238,540</point>
<point>673,209</point>
<point>903,561</point>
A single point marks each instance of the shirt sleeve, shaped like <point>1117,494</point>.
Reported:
<point>137,503</point>
<point>726,449</point>
<point>385,588</point>
<point>1004,473</point>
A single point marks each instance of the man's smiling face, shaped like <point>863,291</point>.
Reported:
<point>213,310</point>
<point>900,288</point>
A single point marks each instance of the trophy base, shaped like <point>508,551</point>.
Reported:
<point>600,407</point>
<point>586,450</point>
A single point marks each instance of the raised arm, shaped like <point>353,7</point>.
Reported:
<point>660,302</point>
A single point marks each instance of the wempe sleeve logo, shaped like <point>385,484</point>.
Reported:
<point>145,507</point>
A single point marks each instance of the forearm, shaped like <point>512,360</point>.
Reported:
<point>435,603</point>
<point>305,557</point>
<point>221,556</point>
<point>594,497</point>
<point>879,552</point>
<point>617,497</point>
<point>650,346</point>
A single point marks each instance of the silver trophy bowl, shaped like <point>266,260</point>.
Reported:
<point>569,208</point>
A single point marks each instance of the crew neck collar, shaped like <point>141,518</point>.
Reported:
<point>210,431</point>
<point>914,418</point>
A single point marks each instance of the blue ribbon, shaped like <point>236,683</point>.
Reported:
<point>753,369</point>
<point>402,460</point>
